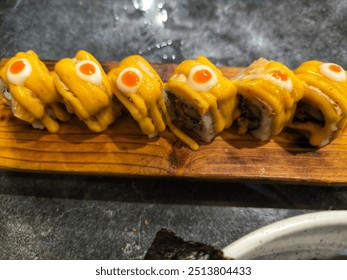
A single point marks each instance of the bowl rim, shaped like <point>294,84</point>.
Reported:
<point>291,225</point>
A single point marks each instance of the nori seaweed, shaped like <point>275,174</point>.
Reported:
<point>168,246</point>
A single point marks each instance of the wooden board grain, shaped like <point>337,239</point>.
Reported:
<point>124,151</point>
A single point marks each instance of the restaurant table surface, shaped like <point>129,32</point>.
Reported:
<point>74,216</point>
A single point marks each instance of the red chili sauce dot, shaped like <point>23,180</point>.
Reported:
<point>130,79</point>
<point>335,68</point>
<point>280,75</point>
<point>17,66</point>
<point>202,76</point>
<point>87,68</point>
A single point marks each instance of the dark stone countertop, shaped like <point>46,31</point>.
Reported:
<point>61,216</point>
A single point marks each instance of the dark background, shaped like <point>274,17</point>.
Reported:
<point>61,216</point>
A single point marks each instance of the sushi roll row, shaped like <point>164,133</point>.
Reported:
<point>196,102</point>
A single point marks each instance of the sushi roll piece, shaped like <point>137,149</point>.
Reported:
<point>27,87</point>
<point>86,90</point>
<point>322,112</point>
<point>200,98</point>
<point>268,94</point>
<point>139,88</point>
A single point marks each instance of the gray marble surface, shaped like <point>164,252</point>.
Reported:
<point>60,216</point>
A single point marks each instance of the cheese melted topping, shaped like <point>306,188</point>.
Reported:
<point>203,85</point>
<point>86,90</point>
<point>139,88</point>
<point>326,90</point>
<point>34,97</point>
<point>274,84</point>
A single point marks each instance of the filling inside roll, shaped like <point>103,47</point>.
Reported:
<point>184,112</point>
<point>306,112</point>
<point>318,121</point>
<point>255,117</point>
<point>200,99</point>
<point>5,93</point>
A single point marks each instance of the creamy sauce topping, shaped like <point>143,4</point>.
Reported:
<point>326,90</point>
<point>202,78</point>
<point>333,72</point>
<point>89,71</point>
<point>139,88</point>
<point>202,84</point>
<point>32,91</point>
<point>273,84</point>
<point>19,71</point>
<point>129,80</point>
<point>86,90</point>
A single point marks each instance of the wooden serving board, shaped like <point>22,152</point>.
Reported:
<point>123,150</point>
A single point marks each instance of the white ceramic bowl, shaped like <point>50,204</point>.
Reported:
<point>319,235</point>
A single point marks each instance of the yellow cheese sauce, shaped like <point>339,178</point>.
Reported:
<point>139,88</point>
<point>86,90</point>
<point>36,94</point>
<point>273,84</point>
<point>325,89</point>
<point>33,91</point>
<point>203,85</point>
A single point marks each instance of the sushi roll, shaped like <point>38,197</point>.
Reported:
<point>86,90</point>
<point>139,88</point>
<point>268,93</point>
<point>27,87</point>
<point>322,112</point>
<point>200,98</point>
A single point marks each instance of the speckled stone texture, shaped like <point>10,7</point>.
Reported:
<point>229,32</point>
<point>58,216</point>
